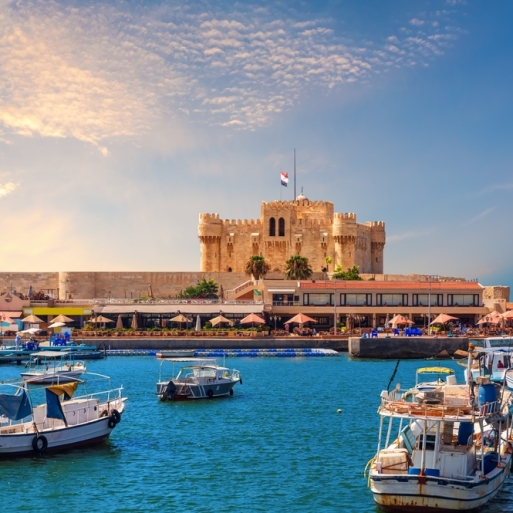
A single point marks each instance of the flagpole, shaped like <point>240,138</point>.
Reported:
<point>295,196</point>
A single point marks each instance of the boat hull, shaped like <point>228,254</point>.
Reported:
<point>415,494</point>
<point>193,391</point>
<point>60,438</point>
<point>176,353</point>
<point>35,378</point>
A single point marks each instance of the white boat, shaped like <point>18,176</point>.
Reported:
<point>203,379</point>
<point>176,353</point>
<point>492,361</point>
<point>62,420</point>
<point>508,377</point>
<point>52,367</point>
<point>442,449</point>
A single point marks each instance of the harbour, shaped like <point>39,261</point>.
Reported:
<point>278,444</point>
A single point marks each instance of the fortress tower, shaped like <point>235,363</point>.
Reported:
<point>285,228</point>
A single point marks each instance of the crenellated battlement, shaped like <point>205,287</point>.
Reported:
<point>243,222</point>
<point>376,224</point>
<point>347,216</point>
<point>208,218</point>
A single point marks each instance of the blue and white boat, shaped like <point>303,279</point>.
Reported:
<point>444,449</point>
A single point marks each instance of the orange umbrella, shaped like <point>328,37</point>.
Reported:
<point>252,318</point>
<point>300,319</point>
<point>491,318</point>
<point>443,319</point>
<point>400,319</point>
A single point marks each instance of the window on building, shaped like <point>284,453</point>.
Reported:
<point>318,299</point>
<point>281,227</point>
<point>427,300</point>
<point>462,300</point>
<point>356,299</point>
<point>390,299</point>
<point>272,227</point>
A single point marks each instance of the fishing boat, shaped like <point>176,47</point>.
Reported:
<point>201,380</point>
<point>62,420</point>
<point>444,449</point>
<point>52,367</point>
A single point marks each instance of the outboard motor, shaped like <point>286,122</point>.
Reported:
<point>169,392</point>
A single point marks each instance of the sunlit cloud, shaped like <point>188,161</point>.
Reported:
<point>99,71</point>
<point>7,188</point>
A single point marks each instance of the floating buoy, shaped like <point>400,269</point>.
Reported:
<point>339,411</point>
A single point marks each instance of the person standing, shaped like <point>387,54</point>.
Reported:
<point>17,340</point>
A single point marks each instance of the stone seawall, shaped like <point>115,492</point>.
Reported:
<point>217,343</point>
<point>404,347</point>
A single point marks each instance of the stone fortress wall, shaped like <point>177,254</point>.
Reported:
<point>90,285</point>
<point>286,228</point>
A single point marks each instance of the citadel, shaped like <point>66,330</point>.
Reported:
<point>285,228</point>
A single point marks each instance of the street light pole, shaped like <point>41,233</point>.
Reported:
<point>334,307</point>
<point>429,307</point>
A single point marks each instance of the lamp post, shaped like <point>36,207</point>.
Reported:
<point>334,307</point>
<point>275,318</point>
<point>429,307</point>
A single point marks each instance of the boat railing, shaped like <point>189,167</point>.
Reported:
<point>110,395</point>
<point>428,410</point>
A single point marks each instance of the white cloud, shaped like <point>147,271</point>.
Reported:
<point>102,71</point>
<point>480,216</point>
<point>7,188</point>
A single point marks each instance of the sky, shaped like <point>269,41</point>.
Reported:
<point>121,121</point>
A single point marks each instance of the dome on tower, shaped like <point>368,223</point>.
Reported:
<point>301,197</point>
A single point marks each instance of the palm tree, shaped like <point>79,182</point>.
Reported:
<point>328,261</point>
<point>257,266</point>
<point>298,268</point>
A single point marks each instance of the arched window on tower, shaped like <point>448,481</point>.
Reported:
<point>272,227</point>
<point>281,227</point>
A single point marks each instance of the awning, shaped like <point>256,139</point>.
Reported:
<point>281,291</point>
<point>185,308</point>
<point>11,315</point>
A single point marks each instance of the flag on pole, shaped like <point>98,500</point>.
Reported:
<point>284,179</point>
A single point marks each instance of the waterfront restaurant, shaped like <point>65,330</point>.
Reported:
<point>159,314</point>
<point>370,304</point>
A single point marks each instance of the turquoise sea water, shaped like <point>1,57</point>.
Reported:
<point>277,445</point>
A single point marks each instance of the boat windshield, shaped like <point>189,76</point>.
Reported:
<point>196,372</point>
<point>495,342</point>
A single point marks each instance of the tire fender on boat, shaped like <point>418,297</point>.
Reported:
<point>210,393</point>
<point>111,423</point>
<point>240,381</point>
<point>39,443</point>
<point>116,416</point>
